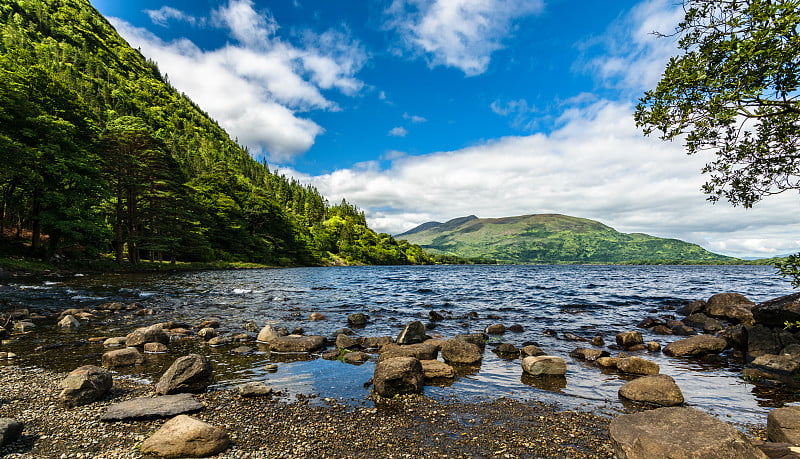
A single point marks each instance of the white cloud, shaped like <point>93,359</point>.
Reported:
<point>257,87</point>
<point>163,15</point>
<point>458,33</point>
<point>414,118</point>
<point>398,131</point>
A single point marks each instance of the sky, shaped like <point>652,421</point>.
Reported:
<point>428,110</point>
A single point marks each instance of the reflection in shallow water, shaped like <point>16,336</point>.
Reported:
<point>579,300</point>
<point>551,383</point>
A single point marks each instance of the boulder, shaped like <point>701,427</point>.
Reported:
<point>210,323</point>
<point>662,330</point>
<point>155,348</point>
<point>412,333</point>
<point>544,365</point>
<point>400,375</point>
<point>207,333</point>
<point>696,345</point>
<point>69,321</point>
<point>702,321</point>
<point>163,406</point>
<point>591,355</point>
<point>151,334</point>
<point>191,373</point>
<point>316,316</point>
<point>254,389</point>
<point>496,329</point>
<point>373,342</point>
<point>718,304</point>
<point>346,342</point>
<point>652,346</point>
<point>598,341</point>
<point>783,425</point>
<point>185,436</point>
<point>420,351</point>
<point>654,389</point>
<point>682,329</point>
<point>507,350</point>
<point>678,433</point>
<point>10,430</point>
<point>691,308</point>
<point>478,339</point>
<point>24,326</point>
<point>433,369</point>
<point>267,334</point>
<point>782,364</point>
<point>115,341</point>
<point>763,340</point>
<point>637,366</point>
<point>219,340</point>
<point>531,350</point>
<point>85,385</point>
<point>607,362</point>
<point>457,350</point>
<point>297,343</point>
<point>735,335</point>
<point>516,328</point>
<point>355,357</point>
<point>358,319</point>
<point>122,358</point>
<point>775,312</point>
<point>630,338</point>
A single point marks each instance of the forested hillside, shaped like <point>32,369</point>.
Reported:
<point>100,154</point>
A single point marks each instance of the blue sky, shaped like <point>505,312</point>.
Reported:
<point>419,110</point>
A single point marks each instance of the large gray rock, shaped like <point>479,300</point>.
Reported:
<point>191,373</point>
<point>433,369</point>
<point>637,366</point>
<point>775,312</point>
<point>163,406</point>
<point>412,333</point>
<point>783,425</point>
<point>152,334</point>
<point>185,436</point>
<point>544,365</point>
<point>654,389</point>
<point>400,375</point>
<point>457,350</point>
<point>678,433</point>
<point>420,351</point>
<point>297,343</point>
<point>10,430</point>
<point>85,385</point>
<point>122,358</point>
<point>696,345</point>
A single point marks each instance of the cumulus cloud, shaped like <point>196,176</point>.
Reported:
<point>414,118</point>
<point>398,131</point>
<point>163,15</point>
<point>258,86</point>
<point>458,33</point>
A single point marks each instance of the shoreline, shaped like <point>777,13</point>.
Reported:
<point>268,427</point>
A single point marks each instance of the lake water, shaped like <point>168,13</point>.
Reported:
<point>583,300</point>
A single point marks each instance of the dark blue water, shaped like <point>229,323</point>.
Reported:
<point>583,300</point>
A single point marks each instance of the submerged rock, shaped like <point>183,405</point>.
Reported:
<point>358,319</point>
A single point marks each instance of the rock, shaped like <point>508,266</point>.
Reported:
<point>655,389</point>
<point>155,348</point>
<point>297,344</point>
<point>298,331</point>
<point>219,340</point>
<point>420,351</point>
<point>598,341</point>
<point>707,324</point>
<point>254,389</point>
<point>151,334</point>
<point>573,337</point>
<point>412,333</point>
<point>111,307</point>
<point>762,340</point>
<point>662,330</point>
<point>184,436</point>
<point>85,385</point>
<point>24,326</point>
<point>373,342</point>
<point>507,350</point>
<point>583,353</point>
<point>207,333</point>
<point>775,312</point>
<point>531,350</point>
<point>682,330</point>
<point>163,406</point>
<point>10,430</point>
<point>607,362</point>
<point>637,366</point>
<point>267,334</point>
<point>777,450</point>
<point>457,350</point>
<point>735,335</point>
<point>355,358</point>
<point>478,339</point>
<point>544,365</point>
<point>122,358</point>
<point>435,316</point>
<point>316,316</point>
<point>783,425</point>
<point>400,375</point>
<point>782,364</point>
<point>719,303</point>
<point>652,346</point>
<point>358,319</point>
<point>496,329</point>
<point>210,323</point>
<point>191,373</point>
<point>516,328</point>
<point>69,321</point>
<point>345,342</point>
<point>433,369</point>
<point>250,327</point>
<point>678,433</point>
<point>695,345</point>
<point>630,338</point>
<point>691,308</point>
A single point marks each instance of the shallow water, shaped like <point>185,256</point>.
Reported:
<point>584,300</point>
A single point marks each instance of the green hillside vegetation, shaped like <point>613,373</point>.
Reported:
<point>554,238</point>
<point>99,154</point>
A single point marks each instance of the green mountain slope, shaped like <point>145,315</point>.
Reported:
<point>99,153</point>
<point>552,238</point>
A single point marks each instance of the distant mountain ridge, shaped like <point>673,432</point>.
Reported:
<point>553,238</point>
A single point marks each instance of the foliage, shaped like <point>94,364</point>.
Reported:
<point>555,239</point>
<point>734,92</point>
<point>99,153</point>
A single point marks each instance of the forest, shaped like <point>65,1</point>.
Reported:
<point>101,156</point>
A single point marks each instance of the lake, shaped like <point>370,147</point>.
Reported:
<point>547,301</point>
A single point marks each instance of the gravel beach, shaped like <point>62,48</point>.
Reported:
<point>268,427</point>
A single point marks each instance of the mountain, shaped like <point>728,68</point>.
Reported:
<point>99,154</point>
<point>552,238</point>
